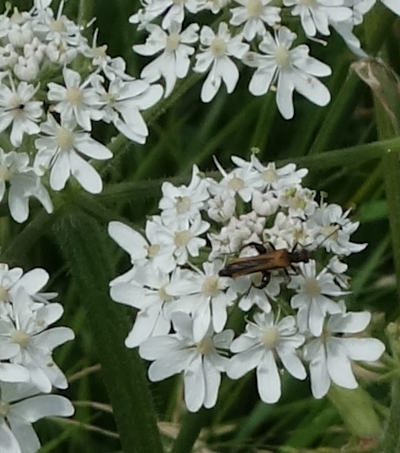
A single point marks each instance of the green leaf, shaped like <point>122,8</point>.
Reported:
<point>83,245</point>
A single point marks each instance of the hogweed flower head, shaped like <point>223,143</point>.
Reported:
<point>263,24</point>
<point>27,370</point>
<point>37,47</point>
<point>254,242</point>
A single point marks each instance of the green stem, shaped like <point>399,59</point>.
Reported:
<point>190,430</point>
<point>83,245</point>
<point>391,171</point>
<point>380,19</point>
<point>391,436</point>
<point>357,410</point>
<point>345,158</point>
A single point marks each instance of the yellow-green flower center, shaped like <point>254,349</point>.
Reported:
<point>65,138</point>
<point>282,56</point>
<point>4,409</point>
<point>312,287</point>
<point>5,173</point>
<point>4,296</point>
<point>236,183</point>
<point>20,337</point>
<point>210,286</point>
<point>152,250</point>
<point>218,47</point>
<point>74,95</point>
<point>270,337</point>
<point>58,25</point>
<point>173,41</point>
<point>205,346</point>
<point>254,8</point>
<point>182,238</point>
<point>330,231</point>
<point>269,175</point>
<point>182,204</point>
<point>163,295</point>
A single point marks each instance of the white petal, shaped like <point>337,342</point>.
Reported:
<point>339,366</point>
<point>369,349</point>
<point>85,174</point>
<point>37,407</point>
<point>284,95</point>
<point>25,434</point>
<point>213,380</point>
<point>129,239</point>
<point>241,363</point>
<point>194,385</point>
<point>268,379</point>
<point>8,441</point>
<point>172,363</point>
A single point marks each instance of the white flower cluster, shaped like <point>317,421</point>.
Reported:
<point>50,124</point>
<point>255,242</point>
<point>27,370</point>
<point>252,24</point>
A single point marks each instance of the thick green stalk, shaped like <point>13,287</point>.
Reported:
<point>357,411</point>
<point>190,430</point>
<point>391,171</point>
<point>346,157</point>
<point>343,105</point>
<point>391,437</point>
<point>83,245</point>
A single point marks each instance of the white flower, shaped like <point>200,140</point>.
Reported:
<point>19,110</point>
<point>57,51</point>
<point>20,406</point>
<point>221,207</point>
<point>219,48</point>
<point>242,180</point>
<point>292,69</point>
<point>330,356</point>
<point>299,201</point>
<point>332,230</point>
<point>23,183</point>
<point>8,56</point>
<point>184,202</point>
<point>123,101</point>
<point>26,342</point>
<point>263,342</point>
<point>264,204</point>
<point>60,151</point>
<point>19,35</point>
<point>205,295</point>
<point>174,62</point>
<point>175,13</point>
<point>200,361</point>
<point>148,291</point>
<point>76,101</point>
<point>141,250</point>
<point>272,177</point>
<point>313,300</point>
<point>13,279</point>
<point>183,236</point>
<point>239,232</point>
<point>260,297</point>
<point>255,14</point>
<point>316,15</point>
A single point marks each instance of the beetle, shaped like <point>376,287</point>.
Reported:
<point>264,262</point>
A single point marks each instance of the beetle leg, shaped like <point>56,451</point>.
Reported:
<point>266,277</point>
<point>259,247</point>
